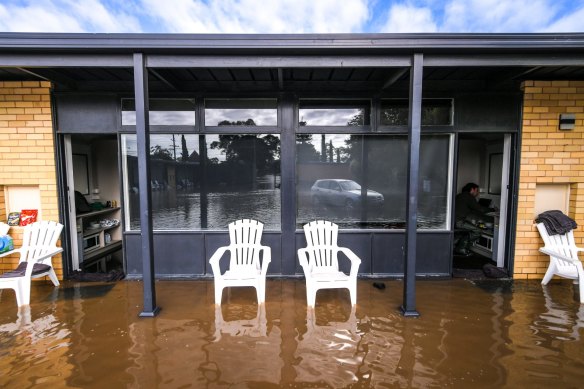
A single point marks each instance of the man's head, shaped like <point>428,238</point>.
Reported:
<point>471,188</point>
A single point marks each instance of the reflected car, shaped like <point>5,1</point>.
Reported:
<point>342,193</point>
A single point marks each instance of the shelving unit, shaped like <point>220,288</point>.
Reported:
<point>99,255</point>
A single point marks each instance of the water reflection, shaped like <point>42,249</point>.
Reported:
<point>254,328</point>
<point>504,335</point>
<point>329,352</point>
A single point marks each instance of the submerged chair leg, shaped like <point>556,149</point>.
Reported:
<point>53,277</point>
<point>549,274</point>
<point>353,293</point>
<point>218,294</point>
<point>310,297</point>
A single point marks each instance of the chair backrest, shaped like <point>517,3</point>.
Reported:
<point>245,236</point>
<point>321,240</point>
<point>562,244</point>
<point>41,237</point>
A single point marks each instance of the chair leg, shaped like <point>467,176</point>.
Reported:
<point>261,292</point>
<point>53,277</point>
<point>548,274</point>
<point>23,293</point>
<point>310,296</point>
<point>218,294</point>
<point>353,293</point>
<point>581,290</point>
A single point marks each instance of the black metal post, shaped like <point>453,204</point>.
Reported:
<point>415,121</point>
<point>143,144</point>
<point>288,184</point>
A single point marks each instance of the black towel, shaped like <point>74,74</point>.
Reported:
<point>555,222</point>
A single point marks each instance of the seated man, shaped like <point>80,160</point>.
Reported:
<point>469,213</point>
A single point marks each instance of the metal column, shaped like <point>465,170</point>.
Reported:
<point>415,120</point>
<point>143,145</point>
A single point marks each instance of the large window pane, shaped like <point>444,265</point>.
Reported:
<point>241,112</point>
<point>435,112</point>
<point>206,181</point>
<point>334,112</point>
<point>337,183</point>
<point>162,112</point>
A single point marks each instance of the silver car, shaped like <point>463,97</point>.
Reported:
<point>342,193</point>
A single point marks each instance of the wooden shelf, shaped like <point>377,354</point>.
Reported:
<point>115,245</point>
<point>92,231</point>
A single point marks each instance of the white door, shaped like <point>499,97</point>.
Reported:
<point>71,210</point>
<point>504,201</point>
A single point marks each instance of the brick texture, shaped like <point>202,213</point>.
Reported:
<point>548,155</point>
<point>27,155</point>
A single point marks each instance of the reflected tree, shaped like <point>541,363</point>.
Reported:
<point>159,152</point>
<point>185,152</point>
<point>305,150</point>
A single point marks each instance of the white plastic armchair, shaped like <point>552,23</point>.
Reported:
<point>245,266</point>
<point>319,260</point>
<point>39,245</point>
<point>564,261</point>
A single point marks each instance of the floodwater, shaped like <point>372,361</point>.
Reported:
<point>471,334</point>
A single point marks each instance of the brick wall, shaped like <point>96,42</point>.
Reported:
<point>27,155</point>
<point>548,156</point>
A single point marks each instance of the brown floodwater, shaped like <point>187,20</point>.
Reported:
<point>470,334</point>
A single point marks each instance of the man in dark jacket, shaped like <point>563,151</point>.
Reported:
<point>468,213</point>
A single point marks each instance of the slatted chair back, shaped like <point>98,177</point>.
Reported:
<point>39,238</point>
<point>562,244</point>
<point>321,240</point>
<point>245,238</point>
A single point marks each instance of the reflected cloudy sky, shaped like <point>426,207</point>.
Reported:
<point>327,117</point>
<point>261,117</point>
<point>162,118</point>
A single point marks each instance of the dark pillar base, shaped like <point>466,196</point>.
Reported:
<point>153,313</point>
<point>408,313</point>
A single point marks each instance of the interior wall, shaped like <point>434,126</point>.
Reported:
<point>470,161</point>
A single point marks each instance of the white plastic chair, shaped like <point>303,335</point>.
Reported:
<point>39,245</point>
<point>564,260</point>
<point>319,260</point>
<point>245,267</point>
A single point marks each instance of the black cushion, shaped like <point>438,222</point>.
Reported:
<point>37,269</point>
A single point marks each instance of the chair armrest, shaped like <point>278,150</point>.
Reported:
<point>24,250</point>
<point>303,259</point>
<point>553,253</point>
<point>266,259</point>
<point>355,260</point>
<point>7,253</point>
<point>30,264</point>
<point>215,258</point>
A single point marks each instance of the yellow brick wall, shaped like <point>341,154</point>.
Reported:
<point>27,155</point>
<point>548,155</point>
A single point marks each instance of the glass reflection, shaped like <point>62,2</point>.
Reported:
<point>334,113</point>
<point>360,181</point>
<point>235,112</point>
<point>161,112</point>
<point>206,181</point>
<point>435,112</point>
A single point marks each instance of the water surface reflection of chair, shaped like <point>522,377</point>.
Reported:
<point>564,261</point>
<point>39,245</point>
<point>330,352</point>
<point>255,327</point>
<point>245,267</point>
<point>319,260</point>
